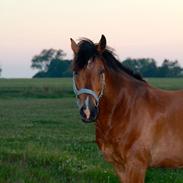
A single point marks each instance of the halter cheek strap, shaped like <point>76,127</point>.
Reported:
<point>88,91</point>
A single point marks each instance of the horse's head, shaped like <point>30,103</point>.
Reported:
<point>88,76</point>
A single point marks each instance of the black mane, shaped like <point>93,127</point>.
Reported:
<point>87,51</point>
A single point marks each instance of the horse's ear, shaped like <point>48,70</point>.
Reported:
<point>74,46</point>
<point>102,44</point>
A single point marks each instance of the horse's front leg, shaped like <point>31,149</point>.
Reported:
<point>135,171</point>
<point>120,172</point>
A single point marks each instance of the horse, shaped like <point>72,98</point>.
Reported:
<point>137,126</point>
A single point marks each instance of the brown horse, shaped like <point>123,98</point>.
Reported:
<point>137,126</point>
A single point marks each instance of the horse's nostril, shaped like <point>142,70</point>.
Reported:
<point>82,112</point>
<point>89,114</point>
<point>94,113</point>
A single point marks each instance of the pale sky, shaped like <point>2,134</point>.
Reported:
<point>134,28</point>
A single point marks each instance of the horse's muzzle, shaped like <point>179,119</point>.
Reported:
<point>89,114</point>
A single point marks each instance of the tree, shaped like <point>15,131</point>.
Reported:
<point>170,69</point>
<point>59,68</point>
<point>42,61</point>
<point>0,71</point>
<point>50,63</point>
<point>148,68</point>
<point>145,66</point>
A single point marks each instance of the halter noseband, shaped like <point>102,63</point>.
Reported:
<point>88,91</point>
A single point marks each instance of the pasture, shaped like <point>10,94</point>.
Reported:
<point>42,139</point>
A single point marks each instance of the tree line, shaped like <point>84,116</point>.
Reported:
<point>52,63</point>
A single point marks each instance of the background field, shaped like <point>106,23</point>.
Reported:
<point>42,139</point>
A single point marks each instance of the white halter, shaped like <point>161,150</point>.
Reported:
<point>88,91</point>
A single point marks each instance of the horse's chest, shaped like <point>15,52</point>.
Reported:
<point>110,152</point>
<point>109,145</point>
<point>107,151</point>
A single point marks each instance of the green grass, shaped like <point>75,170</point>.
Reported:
<point>167,83</point>
<point>42,139</point>
<point>36,88</point>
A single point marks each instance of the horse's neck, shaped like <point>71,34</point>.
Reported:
<point>119,92</point>
<point>117,87</point>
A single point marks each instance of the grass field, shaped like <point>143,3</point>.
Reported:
<point>42,139</point>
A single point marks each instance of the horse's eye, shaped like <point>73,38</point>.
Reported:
<point>76,73</point>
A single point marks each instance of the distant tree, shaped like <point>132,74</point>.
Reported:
<point>148,68</point>
<point>59,68</point>
<point>0,71</point>
<point>50,63</point>
<point>42,61</point>
<point>170,69</point>
<point>145,66</point>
